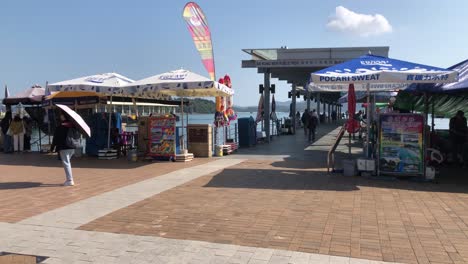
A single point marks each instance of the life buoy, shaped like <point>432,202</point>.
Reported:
<point>435,155</point>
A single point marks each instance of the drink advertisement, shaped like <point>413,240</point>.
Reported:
<point>162,136</point>
<point>401,144</point>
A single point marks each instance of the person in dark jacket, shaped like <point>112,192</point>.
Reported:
<point>313,121</point>
<point>458,134</point>
<point>305,121</point>
<point>7,139</point>
<point>59,144</point>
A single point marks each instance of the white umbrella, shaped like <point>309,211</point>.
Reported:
<point>181,83</point>
<point>77,119</point>
<point>107,84</point>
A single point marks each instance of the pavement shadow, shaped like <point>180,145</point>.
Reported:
<point>24,185</point>
<point>280,180</point>
<point>289,179</point>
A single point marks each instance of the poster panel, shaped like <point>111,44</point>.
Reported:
<point>401,144</point>
<point>162,136</point>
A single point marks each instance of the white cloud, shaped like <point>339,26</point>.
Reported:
<point>363,25</point>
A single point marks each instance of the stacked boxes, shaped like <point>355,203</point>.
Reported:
<point>199,140</point>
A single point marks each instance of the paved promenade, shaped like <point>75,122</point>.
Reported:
<point>274,203</point>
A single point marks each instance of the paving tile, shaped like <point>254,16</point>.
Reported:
<point>285,204</point>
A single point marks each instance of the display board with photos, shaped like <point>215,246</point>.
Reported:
<point>401,143</point>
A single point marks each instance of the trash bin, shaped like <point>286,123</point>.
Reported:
<point>132,155</point>
<point>349,167</point>
<point>219,150</point>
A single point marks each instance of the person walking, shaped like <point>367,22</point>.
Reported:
<point>28,127</point>
<point>7,139</point>
<point>61,144</point>
<point>298,119</point>
<point>305,121</point>
<point>458,132</point>
<point>312,125</point>
<point>334,116</point>
<point>17,132</point>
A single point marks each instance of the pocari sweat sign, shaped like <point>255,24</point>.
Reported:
<point>370,69</point>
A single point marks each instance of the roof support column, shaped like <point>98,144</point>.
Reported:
<point>293,107</point>
<point>266,103</point>
<point>307,98</point>
<point>317,98</point>
<point>324,112</point>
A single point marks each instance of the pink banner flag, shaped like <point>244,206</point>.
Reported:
<point>198,27</point>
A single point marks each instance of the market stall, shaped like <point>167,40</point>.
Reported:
<point>106,84</point>
<point>180,83</point>
<point>374,74</point>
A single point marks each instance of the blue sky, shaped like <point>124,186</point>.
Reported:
<point>56,40</point>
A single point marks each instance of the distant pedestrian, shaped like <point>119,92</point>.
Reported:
<point>305,121</point>
<point>312,125</point>
<point>7,139</point>
<point>61,144</point>
<point>333,116</point>
<point>359,117</point>
<point>458,133</point>
<point>17,132</point>
<point>28,126</point>
<point>298,119</point>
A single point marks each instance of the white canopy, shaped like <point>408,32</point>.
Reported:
<point>180,83</point>
<point>106,83</point>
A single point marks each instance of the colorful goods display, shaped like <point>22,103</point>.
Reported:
<point>162,137</point>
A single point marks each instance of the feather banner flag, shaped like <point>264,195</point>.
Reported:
<point>198,27</point>
<point>201,35</point>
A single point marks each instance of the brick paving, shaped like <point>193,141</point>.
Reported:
<point>261,203</point>
<point>30,184</point>
<point>279,206</point>
<point>84,247</point>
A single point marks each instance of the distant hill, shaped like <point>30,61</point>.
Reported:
<point>280,107</point>
<point>204,106</point>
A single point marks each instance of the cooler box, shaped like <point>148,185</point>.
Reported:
<point>366,165</point>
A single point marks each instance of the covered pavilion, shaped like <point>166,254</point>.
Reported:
<point>295,66</point>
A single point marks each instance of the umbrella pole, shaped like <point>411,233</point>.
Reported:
<point>109,123</point>
<point>182,117</point>
<point>48,124</point>
<point>432,115</point>
<point>368,121</point>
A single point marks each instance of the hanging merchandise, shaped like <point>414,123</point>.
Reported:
<point>220,118</point>
<point>230,113</point>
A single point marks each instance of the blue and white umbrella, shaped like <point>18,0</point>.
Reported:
<point>379,96</point>
<point>377,73</point>
<point>460,85</point>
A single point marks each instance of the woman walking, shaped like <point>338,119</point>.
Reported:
<point>62,145</point>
